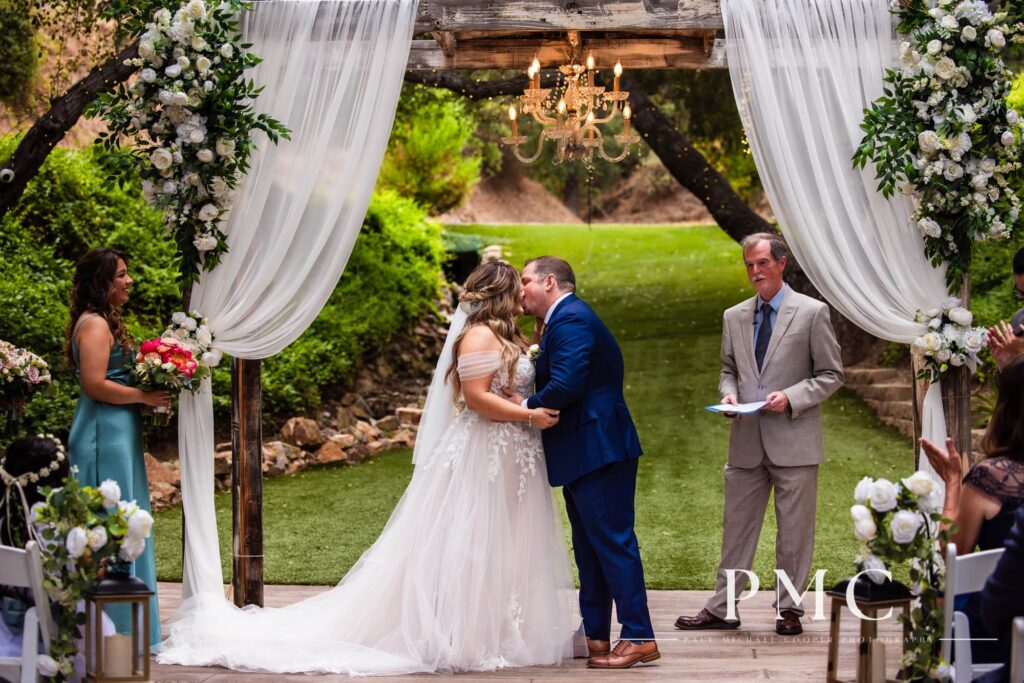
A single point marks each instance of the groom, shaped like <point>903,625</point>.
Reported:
<point>592,453</point>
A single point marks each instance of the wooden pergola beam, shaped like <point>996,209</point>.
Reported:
<point>518,53</point>
<point>561,15</point>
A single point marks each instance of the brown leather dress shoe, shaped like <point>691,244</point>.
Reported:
<point>789,624</point>
<point>625,654</point>
<point>595,648</point>
<point>705,620</point>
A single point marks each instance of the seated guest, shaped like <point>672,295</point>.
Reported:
<point>1002,599</point>
<point>984,503</point>
<point>30,464</point>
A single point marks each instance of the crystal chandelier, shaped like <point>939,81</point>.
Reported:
<point>571,114</point>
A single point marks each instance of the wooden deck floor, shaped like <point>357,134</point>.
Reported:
<point>751,653</point>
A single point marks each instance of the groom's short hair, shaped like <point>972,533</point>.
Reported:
<point>560,268</point>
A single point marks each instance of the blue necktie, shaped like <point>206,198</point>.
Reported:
<point>764,335</point>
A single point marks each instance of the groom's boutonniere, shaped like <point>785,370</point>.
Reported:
<point>533,353</point>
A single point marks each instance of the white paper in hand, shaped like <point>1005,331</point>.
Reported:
<point>739,408</point>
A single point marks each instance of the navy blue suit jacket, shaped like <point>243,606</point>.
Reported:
<point>580,373</point>
<point>1002,598</point>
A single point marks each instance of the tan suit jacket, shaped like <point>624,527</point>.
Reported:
<point>803,360</point>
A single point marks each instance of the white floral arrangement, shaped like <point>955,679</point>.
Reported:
<point>901,523</point>
<point>190,116</point>
<point>533,353</point>
<point>83,531</point>
<point>193,331</point>
<point>950,341</point>
<point>942,132</point>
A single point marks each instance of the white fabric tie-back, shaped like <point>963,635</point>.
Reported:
<point>332,73</point>
<point>803,71</point>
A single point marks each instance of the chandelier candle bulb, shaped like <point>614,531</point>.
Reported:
<point>626,114</point>
<point>618,74</point>
<point>590,62</point>
<point>536,72</point>
<point>512,118</point>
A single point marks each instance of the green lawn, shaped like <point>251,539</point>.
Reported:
<point>662,292</point>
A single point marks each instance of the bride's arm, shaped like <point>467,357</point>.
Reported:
<point>477,391</point>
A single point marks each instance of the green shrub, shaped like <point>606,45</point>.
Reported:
<point>431,157</point>
<point>392,278</point>
<point>19,52</point>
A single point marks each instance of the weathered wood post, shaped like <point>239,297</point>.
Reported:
<point>956,397</point>
<point>246,483</point>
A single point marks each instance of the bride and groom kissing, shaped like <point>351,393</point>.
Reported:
<point>471,572</point>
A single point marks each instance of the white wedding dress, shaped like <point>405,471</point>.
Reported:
<point>471,572</point>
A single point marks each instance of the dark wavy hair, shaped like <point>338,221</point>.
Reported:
<point>91,291</point>
<point>27,454</point>
<point>493,292</point>
<point>1005,434</point>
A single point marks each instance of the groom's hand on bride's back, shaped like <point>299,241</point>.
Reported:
<point>543,418</point>
<point>512,396</point>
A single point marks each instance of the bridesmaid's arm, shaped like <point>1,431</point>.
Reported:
<point>94,344</point>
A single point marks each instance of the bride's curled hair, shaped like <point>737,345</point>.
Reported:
<point>492,296</point>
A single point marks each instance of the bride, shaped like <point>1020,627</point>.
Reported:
<point>471,573</point>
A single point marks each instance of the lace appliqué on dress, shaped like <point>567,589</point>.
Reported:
<point>1000,477</point>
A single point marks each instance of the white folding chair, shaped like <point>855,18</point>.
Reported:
<point>1017,652</point>
<point>24,569</point>
<point>964,574</point>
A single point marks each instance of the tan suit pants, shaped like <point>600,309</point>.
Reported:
<point>746,499</point>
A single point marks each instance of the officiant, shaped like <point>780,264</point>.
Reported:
<point>777,347</point>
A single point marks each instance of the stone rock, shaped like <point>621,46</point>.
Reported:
<point>375,447</point>
<point>161,472</point>
<point>223,446</point>
<point>331,452</point>
<point>344,441</point>
<point>344,418</point>
<point>348,399</point>
<point>302,432</point>
<point>387,424</point>
<point>357,454</point>
<point>278,456</point>
<point>410,416</point>
<point>404,437</point>
<point>360,411</point>
<point>163,495</point>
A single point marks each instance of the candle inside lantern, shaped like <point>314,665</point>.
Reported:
<point>626,113</point>
<point>618,73</point>
<point>512,118</point>
<point>117,658</point>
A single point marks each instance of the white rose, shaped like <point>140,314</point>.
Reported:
<point>127,508</point>
<point>950,302</point>
<point>204,242</point>
<point>111,492</point>
<point>208,86</point>
<point>225,148</point>
<point>147,50</point>
<point>226,50</point>
<point>864,528</point>
<point>131,548</point>
<point>862,492</point>
<point>161,159</point>
<point>211,358</point>
<point>140,524</point>
<point>933,312</point>
<point>196,9</point>
<point>199,44</point>
<point>933,502</point>
<point>47,666</point>
<point>196,136</point>
<point>942,355</point>
<point>180,99</point>
<point>77,541</point>
<point>166,97</point>
<point>1012,117</point>
<point>204,155</point>
<point>929,142</point>
<point>169,187</point>
<point>204,336</point>
<point>97,537</point>
<point>1007,138</point>
<point>173,71</point>
<point>961,316</point>
<point>883,495</point>
<point>979,182</point>
<point>148,75</point>
<point>920,483</point>
<point>929,227</point>
<point>183,62</point>
<point>949,21</point>
<point>953,171</point>
<point>904,525</point>
<point>208,212</point>
<point>874,567</point>
<point>203,65</point>
<point>190,324</point>
<point>969,33</point>
<point>996,39</point>
<point>957,360</point>
<point>934,47</point>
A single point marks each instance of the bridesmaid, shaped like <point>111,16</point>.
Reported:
<point>106,435</point>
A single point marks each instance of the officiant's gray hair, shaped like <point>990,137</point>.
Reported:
<point>552,265</point>
<point>776,244</point>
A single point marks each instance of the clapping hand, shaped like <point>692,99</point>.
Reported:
<point>1004,344</point>
<point>947,463</point>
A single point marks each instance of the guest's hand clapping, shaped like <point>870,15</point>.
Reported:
<point>1004,344</point>
<point>947,463</point>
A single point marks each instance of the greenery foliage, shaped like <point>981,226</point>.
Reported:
<point>19,52</point>
<point>432,156</point>
<point>392,278</point>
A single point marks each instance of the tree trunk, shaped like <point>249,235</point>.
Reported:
<point>51,127</point>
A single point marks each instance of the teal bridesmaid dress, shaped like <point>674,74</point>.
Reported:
<point>106,443</point>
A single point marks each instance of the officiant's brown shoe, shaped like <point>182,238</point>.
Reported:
<point>788,624</point>
<point>625,654</point>
<point>704,620</point>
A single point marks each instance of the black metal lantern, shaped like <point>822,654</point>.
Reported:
<point>120,657</point>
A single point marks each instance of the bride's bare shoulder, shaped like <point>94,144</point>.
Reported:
<point>479,338</point>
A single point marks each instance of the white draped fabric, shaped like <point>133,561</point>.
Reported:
<point>332,73</point>
<point>803,71</point>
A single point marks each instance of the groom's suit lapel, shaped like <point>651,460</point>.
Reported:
<point>543,366</point>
